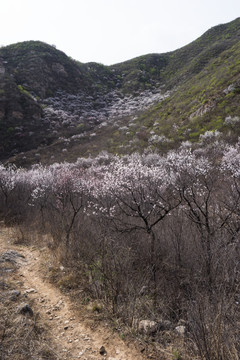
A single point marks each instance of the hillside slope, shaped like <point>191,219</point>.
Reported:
<point>55,108</point>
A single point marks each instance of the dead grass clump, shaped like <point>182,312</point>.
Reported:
<point>21,336</point>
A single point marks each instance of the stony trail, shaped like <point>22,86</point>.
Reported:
<point>70,336</point>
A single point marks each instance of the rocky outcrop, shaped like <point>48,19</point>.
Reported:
<point>11,256</point>
<point>68,110</point>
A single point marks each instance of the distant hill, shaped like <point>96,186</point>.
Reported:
<point>53,108</point>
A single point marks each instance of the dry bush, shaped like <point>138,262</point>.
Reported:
<point>213,324</point>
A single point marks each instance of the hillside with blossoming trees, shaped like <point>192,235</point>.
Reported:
<point>128,175</point>
<point>153,239</point>
<point>54,108</point>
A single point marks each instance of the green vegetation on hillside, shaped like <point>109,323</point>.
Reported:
<point>201,80</point>
<point>201,103</point>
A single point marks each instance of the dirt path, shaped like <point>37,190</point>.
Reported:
<point>71,338</point>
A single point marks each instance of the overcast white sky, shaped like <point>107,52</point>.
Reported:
<point>111,31</point>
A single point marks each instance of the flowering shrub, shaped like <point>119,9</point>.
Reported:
<point>209,136</point>
<point>232,120</point>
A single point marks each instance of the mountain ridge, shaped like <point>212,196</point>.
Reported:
<point>46,98</point>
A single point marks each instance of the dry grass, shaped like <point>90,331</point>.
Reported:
<point>22,336</point>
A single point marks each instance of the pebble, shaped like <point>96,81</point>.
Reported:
<point>102,350</point>
<point>14,294</point>
<point>82,352</point>
<point>29,291</point>
<point>25,309</point>
<point>86,339</point>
